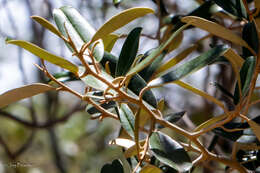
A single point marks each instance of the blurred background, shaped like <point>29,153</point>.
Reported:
<point>76,143</point>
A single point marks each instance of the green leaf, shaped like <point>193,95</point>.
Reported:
<point>172,118</point>
<point>128,52</point>
<point>78,28</point>
<point>115,167</point>
<point>173,61</point>
<point>246,75</point>
<point>120,20</point>
<point>215,29</point>
<point>190,66</point>
<point>94,82</point>
<point>169,152</point>
<point>26,91</point>
<point>149,59</point>
<point>250,35</point>
<point>136,84</point>
<point>126,118</point>
<point>46,24</point>
<point>45,55</point>
<point>235,7</point>
<point>110,41</point>
<point>148,72</point>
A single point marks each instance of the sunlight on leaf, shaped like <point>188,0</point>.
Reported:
<point>26,91</point>
<point>215,29</point>
<point>173,61</point>
<point>45,55</point>
<point>46,24</point>
<point>120,20</point>
<point>109,41</point>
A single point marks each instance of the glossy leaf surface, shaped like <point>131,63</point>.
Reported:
<point>120,20</point>
<point>128,52</point>
<point>169,152</point>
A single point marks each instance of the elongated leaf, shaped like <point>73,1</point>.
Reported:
<point>23,92</point>
<point>223,90</point>
<point>116,167</point>
<point>148,60</point>
<point>250,35</point>
<point>45,55</point>
<point>150,169</point>
<point>46,24</point>
<point>78,28</point>
<point>148,72</point>
<point>128,52</point>
<point>190,66</point>
<point>210,122</point>
<point>136,84</point>
<point>246,74</point>
<point>109,42</point>
<point>127,119</point>
<point>173,61</point>
<point>169,152</point>
<point>235,7</point>
<point>200,93</point>
<point>120,20</point>
<point>172,118</point>
<point>215,29</point>
<point>176,42</point>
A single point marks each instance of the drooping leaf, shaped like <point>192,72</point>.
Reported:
<point>109,41</point>
<point>235,7</point>
<point>250,35</point>
<point>149,59</point>
<point>116,166</point>
<point>126,118</point>
<point>169,152</point>
<point>120,20</point>
<point>45,55</point>
<point>215,29</point>
<point>26,91</point>
<point>46,24</point>
<point>150,169</point>
<point>190,66</point>
<point>78,28</point>
<point>173,61</point>
<point>246,74</point>
<point>128,52</point>
<point>172,118</point>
